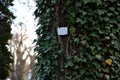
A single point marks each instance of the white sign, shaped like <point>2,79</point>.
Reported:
<point>62,30</point>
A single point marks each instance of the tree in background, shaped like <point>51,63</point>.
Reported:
<point>91,49</point>
<point>21,45</point>
<point>5,28</point>
<point>22,53</point>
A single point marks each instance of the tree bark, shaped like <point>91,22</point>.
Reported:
<point>62,41</point>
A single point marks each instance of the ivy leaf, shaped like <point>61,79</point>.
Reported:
<point>83,42</point>
<point>101,12</point>
<point>47,49</point>
<point>69,64</point>
<point>53,1</point>
<point>77,40</point>
<point>78,4</point>
<point>68,57</point>
<point>108,61</point>
<point>92,47</point>
<point>107,38</point>
<point>118,4</point>
<point>98,57</point>
<point>86,1</point>
<point>112,8</point>
<point>106,19</point>
<point>93,34</point>
<point>72,29</point>
<point>72,14</point>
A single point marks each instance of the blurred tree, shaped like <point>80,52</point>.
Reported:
<point>21,53</point>
<point>5,27</point>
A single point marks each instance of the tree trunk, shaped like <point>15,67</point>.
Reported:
<point>62,41</point>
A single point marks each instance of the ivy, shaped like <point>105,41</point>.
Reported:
<point>91,49</point>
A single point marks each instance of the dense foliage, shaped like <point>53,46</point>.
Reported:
<point>90,51</point>
<point>5,28</point>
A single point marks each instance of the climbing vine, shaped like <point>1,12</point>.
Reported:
<point>91,49</point>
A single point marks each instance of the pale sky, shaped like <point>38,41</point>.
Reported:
<point>23,10</point>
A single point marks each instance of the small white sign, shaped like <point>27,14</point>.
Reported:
<point>62,30</point>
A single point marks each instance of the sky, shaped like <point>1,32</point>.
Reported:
<point>23,10</point>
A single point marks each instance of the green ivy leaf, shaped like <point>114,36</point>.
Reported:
<point>69,64</point>
<point>72,29</point>
<point>86,1</point>
<point>92,47</point>
<point>101,12</point>
<point>53,1</point>
<point>77,40</point>
<point>98,57</point>
<point>93,34</point>
<point>68,57</point>
<point>78,4</point>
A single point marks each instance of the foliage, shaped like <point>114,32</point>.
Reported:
<point>5,23</point>
<point>93,42</point>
